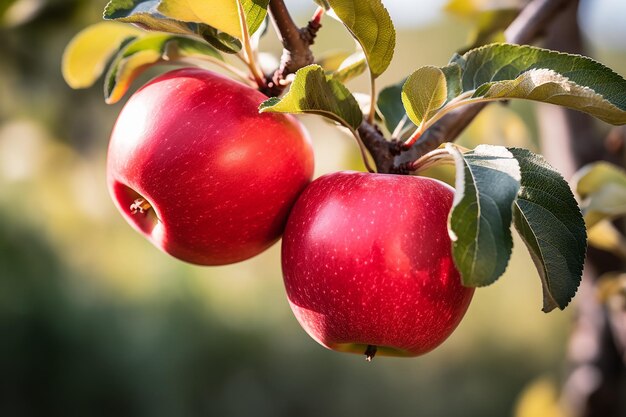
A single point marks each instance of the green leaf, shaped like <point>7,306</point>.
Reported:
<point>389,104</point>
<point>255,12</point>
<point>370,24</point>
<point>501,71</point>
<point>602,186</point>
<point>608,203</point>
<point>390,99</point>
<point>314,92</point>
<point>222,15</point>
<point>605,236</point>
<point>87,54</point>
<point>145,14</point>
<point>220,40</point>
<point>331,61</point>
<point>142,53</point>
<point>351,67</point>
<point>452,72</point>
<point>549,222</point>
<point>423,93</point>
<point>592,177</point>
<point>487,182</point>
<point>182,47</point>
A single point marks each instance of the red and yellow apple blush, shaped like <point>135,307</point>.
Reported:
<point>200,172</point>
<point>367,264</point>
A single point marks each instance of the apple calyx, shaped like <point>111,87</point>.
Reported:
<point>140,206</point>
<point>370,352</point>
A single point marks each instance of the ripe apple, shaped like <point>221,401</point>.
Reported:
<point>200,172</point>
<point>367,264</point>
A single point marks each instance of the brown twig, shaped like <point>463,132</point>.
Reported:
<point>381,150</point>
<point>529,25</point>
<point>296,45</point>
<point>533,20</point>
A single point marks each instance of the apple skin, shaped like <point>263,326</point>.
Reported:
<point>367,261</point>
<point>219,176</point>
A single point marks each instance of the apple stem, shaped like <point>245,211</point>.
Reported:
<point>140,206</point>
<point>370,352</point>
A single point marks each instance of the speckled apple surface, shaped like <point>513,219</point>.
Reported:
<point>367,261</point>
<point>220,177</point>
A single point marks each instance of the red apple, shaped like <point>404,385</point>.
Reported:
<point>367,264</point>
<point>200,172</point>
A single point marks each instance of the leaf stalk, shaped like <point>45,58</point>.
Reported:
<point>372,113</point>
<point>248,56</point>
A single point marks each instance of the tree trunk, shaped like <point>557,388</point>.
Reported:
<point>595,382</point>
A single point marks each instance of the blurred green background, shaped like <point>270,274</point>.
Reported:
<point>94,321</point>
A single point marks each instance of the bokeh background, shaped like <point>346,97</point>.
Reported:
<point>94,321</point>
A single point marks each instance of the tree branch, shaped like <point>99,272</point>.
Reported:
<point>596,371</point>
<point>533,20</point>
<point>530,24</point>
<point>382,150</point>
<point>296,45</point>
<point>387,155</point>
